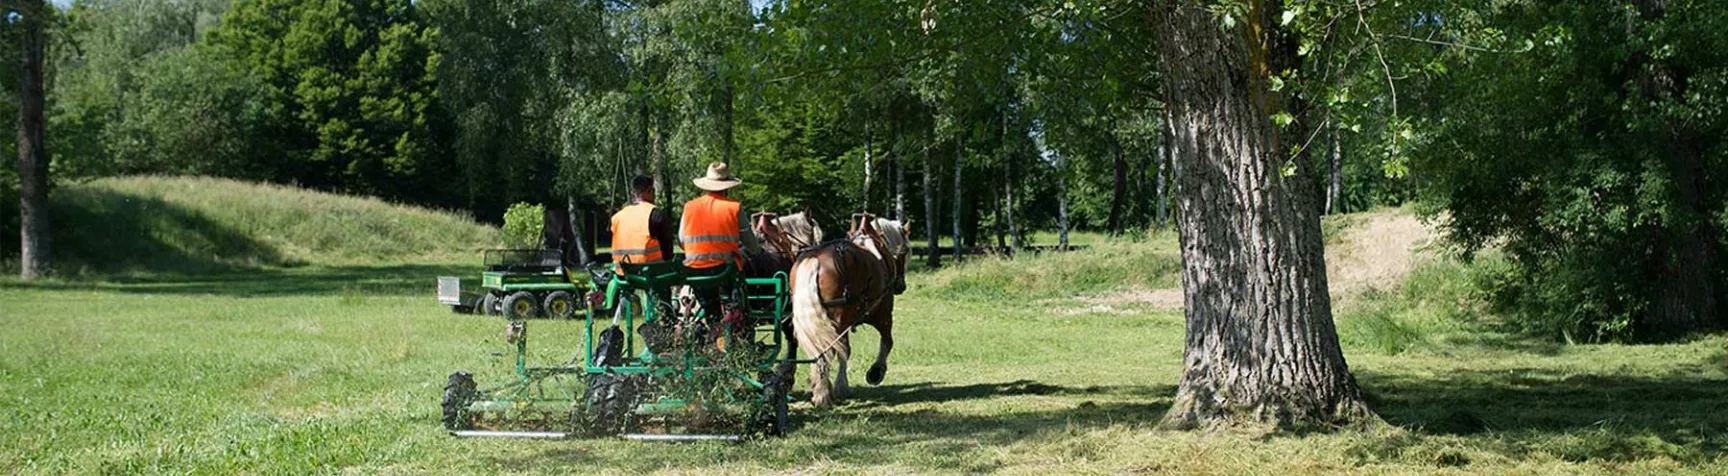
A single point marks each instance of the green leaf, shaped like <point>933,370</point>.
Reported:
<point>1283,119</point>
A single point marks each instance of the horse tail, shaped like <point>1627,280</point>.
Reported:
<point>816,331</point>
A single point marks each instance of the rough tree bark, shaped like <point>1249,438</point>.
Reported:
<point>1686,295</point>
<point>32,156</point>
<point>1261,347</point>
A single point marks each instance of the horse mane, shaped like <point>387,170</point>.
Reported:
<point>800,228</point>
<point>894,234</point>
<point>823,247</point>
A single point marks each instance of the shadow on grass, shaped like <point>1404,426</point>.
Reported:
<point>875,428</point>
<point>1679,415</point>
<point>105,231</point>
<point>414,279</point>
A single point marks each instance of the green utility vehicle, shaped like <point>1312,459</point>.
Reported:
<point>517,284</point>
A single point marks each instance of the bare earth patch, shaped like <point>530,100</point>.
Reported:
<point>1377,250</point>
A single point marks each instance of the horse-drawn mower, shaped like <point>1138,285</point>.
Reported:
<point>648,369</point>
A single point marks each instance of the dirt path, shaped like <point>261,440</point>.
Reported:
<point>1375,249</point>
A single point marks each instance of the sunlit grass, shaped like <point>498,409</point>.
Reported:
<point>338,368</point>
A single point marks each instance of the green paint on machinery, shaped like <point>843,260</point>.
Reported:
<point>517,284</point>
<point>652,366</point>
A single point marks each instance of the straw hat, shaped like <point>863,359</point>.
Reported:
<point>719,178</point>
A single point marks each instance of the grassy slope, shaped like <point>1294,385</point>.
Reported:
<point>151,378</point>
<point>184,224</point>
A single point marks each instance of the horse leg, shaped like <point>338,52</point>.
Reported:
<point>843,350</point>
<point>820,394</point>
<point>791,336</point>
<point>879,369</point>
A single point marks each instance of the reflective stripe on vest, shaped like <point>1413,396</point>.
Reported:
<point>710,231</point>
<point>631,241</point>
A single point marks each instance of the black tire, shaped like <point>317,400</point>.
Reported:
<point>772,417</point>
<point>611,397</point>
<point>489,305</point>
<point>458,394</point>
<point>559,305</point>
<point>521,305</point>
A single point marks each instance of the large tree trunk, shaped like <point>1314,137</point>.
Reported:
<point>932,221</point>
<point>1686,296</point>
<point>32,156</point>
<point>1260,346</point>
<point>1118,196</point>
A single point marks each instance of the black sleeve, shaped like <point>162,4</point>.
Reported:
<point>660,227</point>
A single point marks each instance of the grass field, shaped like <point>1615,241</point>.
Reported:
<point>1001,366</point>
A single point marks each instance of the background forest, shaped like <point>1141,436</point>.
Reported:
<point>1582,141</point>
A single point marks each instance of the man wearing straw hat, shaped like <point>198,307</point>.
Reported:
<point>712,231</point>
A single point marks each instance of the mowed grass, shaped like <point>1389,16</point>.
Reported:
<point>136,378</point>
<point>337,366</point>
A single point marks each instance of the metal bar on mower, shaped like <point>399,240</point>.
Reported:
<point>538,435</point>
<point>675,438</point>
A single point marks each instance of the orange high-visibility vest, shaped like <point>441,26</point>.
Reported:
<point>710,232</point>
<point>631,241</point>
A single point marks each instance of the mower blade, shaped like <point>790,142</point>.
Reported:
<point>538,435</point>
<point>676,438</point>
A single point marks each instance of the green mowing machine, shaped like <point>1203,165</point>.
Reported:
<point>675,374</point>
<point>517,284</point>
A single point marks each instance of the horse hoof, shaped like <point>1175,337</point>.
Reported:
<point>876,374</point>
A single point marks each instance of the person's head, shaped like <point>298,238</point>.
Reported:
<point>642,188</point>
<point>718,180</point>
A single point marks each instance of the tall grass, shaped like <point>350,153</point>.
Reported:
<point>1437,300</point>
<point>194,223</point>
<point>1152,262</point>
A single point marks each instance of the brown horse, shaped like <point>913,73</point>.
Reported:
<point>839,285</point>
<point>782,238</point>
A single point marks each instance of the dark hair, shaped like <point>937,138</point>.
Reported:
<point>641,183</point>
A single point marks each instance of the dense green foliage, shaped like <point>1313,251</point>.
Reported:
<point>522,225</point>
<point>1592,156</point>
<point>1583,139</point>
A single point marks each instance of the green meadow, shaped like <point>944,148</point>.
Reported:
<point>308,359</point>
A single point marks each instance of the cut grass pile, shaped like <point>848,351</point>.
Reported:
<point>338,369</point>
<point>195,224</point>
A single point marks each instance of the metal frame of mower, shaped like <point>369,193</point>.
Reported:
<point>619,386</point>
<point>518,284</point>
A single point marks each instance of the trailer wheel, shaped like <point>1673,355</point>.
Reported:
<point>489,305</point>
<point>458,393</point>
<point>559,305</point>
<point>521,305</point>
